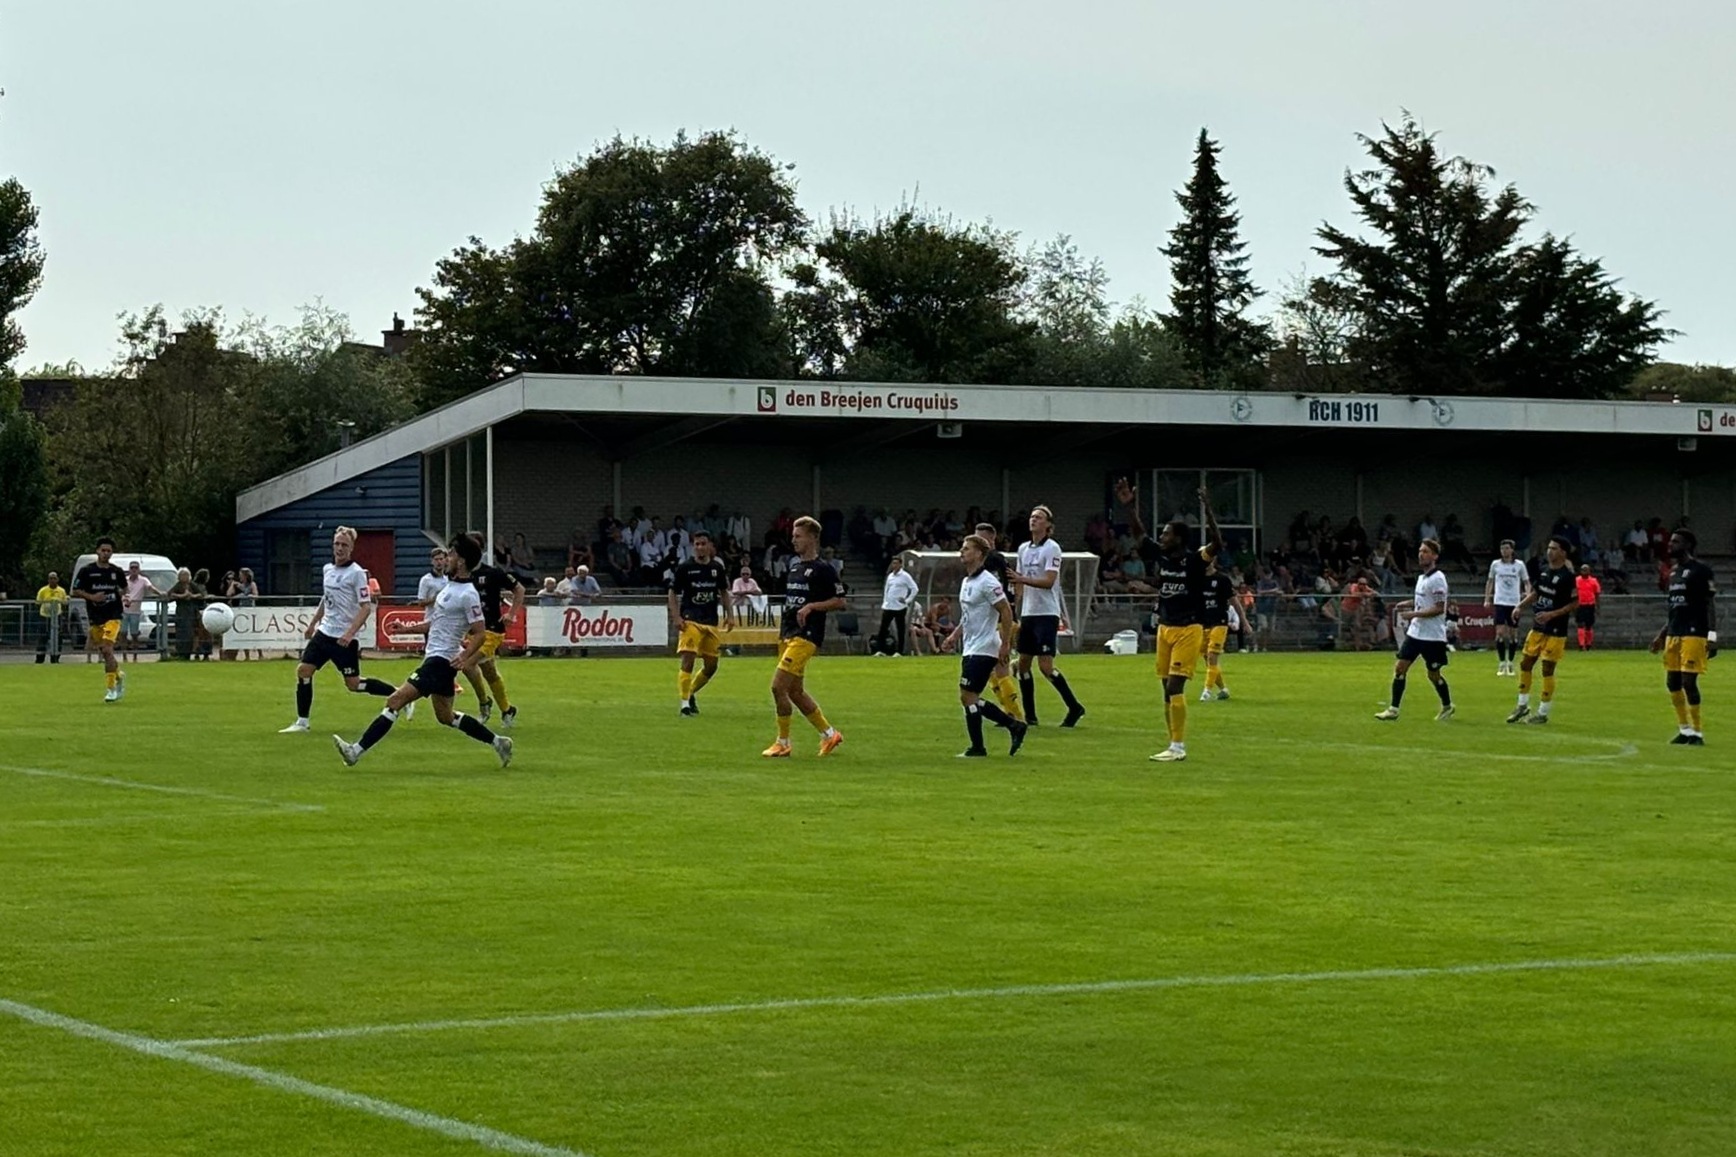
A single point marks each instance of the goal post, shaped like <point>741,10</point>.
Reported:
<point>938,573</point>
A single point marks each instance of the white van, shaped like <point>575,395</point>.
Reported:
<point>156,567</point>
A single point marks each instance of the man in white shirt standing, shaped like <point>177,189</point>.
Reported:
<point>1425,635</point>
<point>344,606</point>
<point>1038,579</point>
<point>895,599</point>
<point>1508,584</point>
<point>985,626</point>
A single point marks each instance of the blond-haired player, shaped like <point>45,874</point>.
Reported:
<point>810,592</point>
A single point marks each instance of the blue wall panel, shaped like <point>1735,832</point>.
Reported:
<point>389,498</point>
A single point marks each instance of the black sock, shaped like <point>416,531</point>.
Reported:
<point>376,687</point>
<point>303,697</point>
<point>994,714</point>
<point>1028,692</point>
<point>973,725</point>
<point>1397,691</point>
<point>1691,689</point>
<point>377,729</point>
<point>1446,694</point>
<point>1059,682</point>
<point>474,728</point>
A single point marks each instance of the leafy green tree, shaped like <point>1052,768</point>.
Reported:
<point>1210,290</point>
<point>1316,327</point>
<point>644,259</point>
<point>23,472</point>
<point>1571,332</point>
<point>1684,383</point>
<point>919,298</point>
<point>1429,291</point>
<point>1446,298</point>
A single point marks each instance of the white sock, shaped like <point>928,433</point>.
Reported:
<point>1524,699</point>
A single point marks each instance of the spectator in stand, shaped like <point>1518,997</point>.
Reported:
<point>201,637</point>
<point>784,524</point>
<point>1352,541</point>
<point>1133,573</point>
<point>1453,548</point>
<point>1267,589</point>
<point>1635,544</point>
<point>133,606</point>
<point>940,623</point>
<point>1110,579</point>
<point>564,587</point>
<point>830,554</point>
<point>242,592</point>
<point>548,595</point>
<point>1427,529</point>
<point>680,542</point>
<point>50,609</point>
<point>886,530</point>
<point>1358,603</point>
<point>739,527</point>
<point>921,634</point>
<point>1590,545</point>
<point>746,593</point>
<point>1615,572</point>
<point>585,589</point>
<point>619,559</point>
<point>607,525</point>
<point>188,602</point>
<point>895,599</point>
<point>1658,543</point>
<point>1097,534</point>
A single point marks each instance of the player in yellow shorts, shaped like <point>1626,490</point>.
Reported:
<point>810,592</point>
<point>1215,600</point>
<point>1689,639</point>
<point>100,584</point>
<point>698,588</point>
<point>494,586</point>
<point>1181,576</point>
<point>1553,597</point>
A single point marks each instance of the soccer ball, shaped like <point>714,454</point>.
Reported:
<point>218,618</point>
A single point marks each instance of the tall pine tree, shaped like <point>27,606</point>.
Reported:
<point>1210,288</point>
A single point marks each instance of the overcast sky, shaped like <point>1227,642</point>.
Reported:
<point>257,156</point>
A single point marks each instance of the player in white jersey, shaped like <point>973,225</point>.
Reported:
<point>1037,578</point>
<point>435,580</point>
<point>344,605</point>
<point>1425,635</point>
<point>455,633</point>
<point>1508,584</point>
<point>985,636</point>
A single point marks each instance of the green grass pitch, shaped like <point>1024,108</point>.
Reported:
<point>1321,935</point>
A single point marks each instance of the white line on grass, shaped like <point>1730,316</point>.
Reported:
<point>1623,751</point>
<point>282,1082</point>
<point>1016,990</point>
<point>109,781</point>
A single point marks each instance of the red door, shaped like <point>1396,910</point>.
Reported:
<point>376,551</point>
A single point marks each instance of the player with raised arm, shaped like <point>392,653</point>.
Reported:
<point>455,638</point>
<point>810,593</point>
<point>344,605</point>
<point>493,585</point>
<point>1508,584</point>
<point>985,638</point>
<point>698,588</point>
<point>1038,581</point>
<point>1425,635</point>
<point>102,585</point>
<point>1690,634</point>
<point>1553,597</point>
<point>1001,682</point>
<point>1181,583</point>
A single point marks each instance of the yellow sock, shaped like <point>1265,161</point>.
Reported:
<point>818,719</point>
<point>783,727</point>
<point>685,682</point>
<point>1524,681</point>
<point>498,685</point>
<point>699,679</point>
<point>1680,700</point>
<point>1548,688</point>
<point>111,678</point>
<point>1694,716</point>
<point>1007,694</point>
<point>1178,718</point>
<point>1168,727</point>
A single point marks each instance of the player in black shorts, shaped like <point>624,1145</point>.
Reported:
<point>1001,682</point>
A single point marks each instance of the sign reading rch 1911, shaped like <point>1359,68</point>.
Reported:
<point>1343,411</point>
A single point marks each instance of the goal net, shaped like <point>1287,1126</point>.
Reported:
<point>938,574</point>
